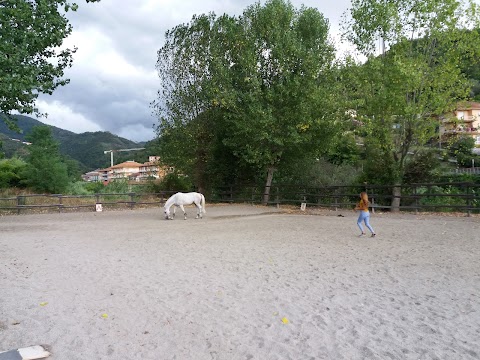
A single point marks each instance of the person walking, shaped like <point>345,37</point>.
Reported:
<point>364,214</point>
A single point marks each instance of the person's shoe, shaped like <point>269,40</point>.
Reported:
<point>373,235</point>
<point>362,235</point>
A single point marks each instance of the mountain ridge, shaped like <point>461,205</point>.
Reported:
<point>87,148</point>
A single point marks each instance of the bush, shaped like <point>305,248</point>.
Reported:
<point>315,173</point>
<point>422,168</point>
<point>441,201</point>
<point>10,172</point>
<point>172,183</point>
<point>467,160</point>
<point>115,187</point>
<point>77,188</point>
<point>462,145</point>
<point>94,187</point>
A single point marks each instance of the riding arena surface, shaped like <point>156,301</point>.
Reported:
<point>244,282</point>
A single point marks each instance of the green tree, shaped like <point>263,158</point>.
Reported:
<point>423,168</point>
<point>344,150</point>
<point>463,144</point>
<point>10,172</point>
<point>31,58</point>
<point>462,149</point>
<point>281,99</point>
<point>45,171</point>
<point>184,105</point>
<point>259,86</point>
<point>398,94</point>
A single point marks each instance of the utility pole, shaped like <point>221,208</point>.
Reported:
<point>112,151</point>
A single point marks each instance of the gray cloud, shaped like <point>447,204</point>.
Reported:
<point>113,79</point>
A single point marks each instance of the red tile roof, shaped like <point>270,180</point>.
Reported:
<point>468,105</point>
<point>126,164</point>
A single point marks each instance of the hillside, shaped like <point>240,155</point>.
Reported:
<point>87,148</point>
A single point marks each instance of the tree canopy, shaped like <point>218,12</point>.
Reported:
<point>259,86</point>
<point>399,94</point>
<point>31,58</point>
<point>45,170</point>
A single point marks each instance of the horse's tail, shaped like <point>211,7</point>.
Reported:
<point>203,204</point>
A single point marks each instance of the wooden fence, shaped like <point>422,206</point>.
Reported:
<point>436,197</point>
<point>63,203</point>
<point>471,171</point>
<point>439,197</point>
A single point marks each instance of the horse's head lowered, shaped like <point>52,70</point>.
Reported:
<point>167,213</point>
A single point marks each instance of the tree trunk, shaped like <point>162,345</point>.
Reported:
<point>200,184</point>
<point>266,192</point>
<point>200,171</point>
<point>397,193</point>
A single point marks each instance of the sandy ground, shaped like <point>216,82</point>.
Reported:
<point>243,283</point>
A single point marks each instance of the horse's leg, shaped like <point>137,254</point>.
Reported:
<point>199,211</point>
<point>184,212</point>
<point>174,208</point>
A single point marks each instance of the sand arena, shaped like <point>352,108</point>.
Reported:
<point>246,282</point>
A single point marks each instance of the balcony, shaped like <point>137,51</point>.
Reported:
<point>463,119</point>
<point>461,131</point>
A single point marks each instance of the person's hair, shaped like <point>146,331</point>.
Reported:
<point>364,197</point>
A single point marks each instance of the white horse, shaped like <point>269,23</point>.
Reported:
<point>179,199</point>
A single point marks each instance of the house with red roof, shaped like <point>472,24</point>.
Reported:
<point>130,170</point>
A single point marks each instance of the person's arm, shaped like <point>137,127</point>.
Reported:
<point>361,206</point>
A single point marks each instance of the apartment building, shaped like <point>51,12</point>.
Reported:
<point>465,121</point>
<point>129,170</point>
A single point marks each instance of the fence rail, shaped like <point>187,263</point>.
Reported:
<point>458,197</point>
<point>471,171</point>
<point>62,203</point>
<point>462,197</point>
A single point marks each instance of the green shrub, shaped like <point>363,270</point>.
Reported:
<point>443,202</point>
<point>464,144</point>
<point>422,168</point>
<point>467,160</point>
<point>10,172</point>
<point>116,187</point>
<point>94,187</point>
<point>77,188</point>
<point>171,182</point>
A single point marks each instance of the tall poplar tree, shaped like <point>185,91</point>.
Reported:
<point>261,84</point>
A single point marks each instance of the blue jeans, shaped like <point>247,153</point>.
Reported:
<point>365,217</point>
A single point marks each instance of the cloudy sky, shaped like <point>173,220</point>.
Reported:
<point>113,79</point>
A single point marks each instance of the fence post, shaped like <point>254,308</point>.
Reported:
<point>132,202</point>
<point>372,197</point>
<point>97,200</point>
<point>20,201</point>
<point>277,199</point>
<point>60,203</point>
<point>335,192</point>
<point>469,202</point>
<point>416,198</point>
